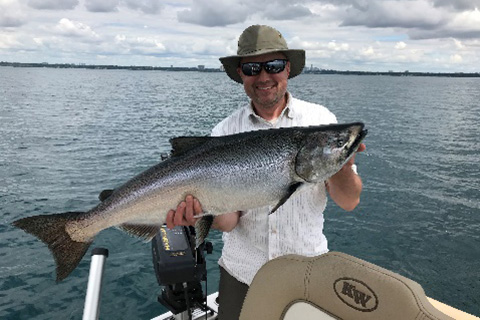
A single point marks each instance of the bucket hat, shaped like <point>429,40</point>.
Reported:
<point>260,39</point>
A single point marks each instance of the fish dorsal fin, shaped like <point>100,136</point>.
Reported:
<point>181,145</point>
<point>105,194</point>
<point>143,231</point>
<point>291,190</point>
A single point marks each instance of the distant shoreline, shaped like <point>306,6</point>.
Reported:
<point>203,69</point>
<point>100,66</point>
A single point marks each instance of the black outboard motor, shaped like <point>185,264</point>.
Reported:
<point>180,269</point>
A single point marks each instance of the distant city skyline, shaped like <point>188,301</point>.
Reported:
<point>202,68</point>
<point>364,35</point>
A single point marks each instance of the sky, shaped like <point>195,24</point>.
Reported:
<point>365,35</point>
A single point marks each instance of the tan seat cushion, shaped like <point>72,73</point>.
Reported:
<point>340,285</point>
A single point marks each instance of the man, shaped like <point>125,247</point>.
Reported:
<point>263,65</point>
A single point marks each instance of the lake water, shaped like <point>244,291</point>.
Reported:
<point>67,134</point>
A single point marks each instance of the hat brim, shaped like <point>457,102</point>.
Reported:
<point>295,56</point>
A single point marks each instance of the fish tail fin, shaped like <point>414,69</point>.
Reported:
<point>51,230</point>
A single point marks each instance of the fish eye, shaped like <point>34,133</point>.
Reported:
<point>340,143</point>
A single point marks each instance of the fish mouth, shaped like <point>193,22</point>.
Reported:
<point>356,143</point>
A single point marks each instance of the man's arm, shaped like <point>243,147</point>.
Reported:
<point>226,222</point>
<point>345,186</point>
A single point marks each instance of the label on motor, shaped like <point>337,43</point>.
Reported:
<point>173,239</point>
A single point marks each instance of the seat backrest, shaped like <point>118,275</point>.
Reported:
<point>339,286</point>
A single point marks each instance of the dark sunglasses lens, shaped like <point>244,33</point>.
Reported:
<point>254,68</point>
<point>275,66</point>
<point>251,68</point>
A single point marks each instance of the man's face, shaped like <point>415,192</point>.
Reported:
<point>267,91</point>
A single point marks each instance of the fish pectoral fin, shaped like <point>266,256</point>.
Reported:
<point>291,190</point>
<point>202,227</point>
<point>105,194</point>
<point>201,215</point>
<point>182,145</point>
<point>143,231</point>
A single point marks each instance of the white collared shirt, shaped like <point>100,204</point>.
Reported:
<point>297,226</point>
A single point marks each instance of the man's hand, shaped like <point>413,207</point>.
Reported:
<point>345,186</point>
<point>361,148</point>
<point>185,213</point>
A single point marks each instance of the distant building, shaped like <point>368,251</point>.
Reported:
<point>201,67</point>
<point>311,69</point>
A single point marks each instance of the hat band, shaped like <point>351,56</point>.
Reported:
<point>264,46</point>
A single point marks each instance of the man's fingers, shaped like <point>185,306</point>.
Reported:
<point>197,207</point>
<point>169,220</point>
<point>185,213</point>
<point>179,214</point>
<point>189,210</point>
<point>361,147</point>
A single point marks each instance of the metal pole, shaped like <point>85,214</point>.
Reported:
<point>92,300</point>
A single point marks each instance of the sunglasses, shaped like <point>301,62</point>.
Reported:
<point>271,67</point>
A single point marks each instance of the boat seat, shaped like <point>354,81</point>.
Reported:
<point>334,286</point>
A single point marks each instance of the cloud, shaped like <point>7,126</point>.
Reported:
<point>70,28</point>
<point>211,13</point>
<point>53,4</point>
<point>331,45</point>
<point>464,25</point>
<point>368,52</point>
<point>11,14</point>
<point>458,44</point>
<point>400,45</point>
<point>368,5</point>
<point>102,6</point>
<point>395,14</point>
<point>140,45</point>
<point>9,42</point>
<point>325,51</point>
<point>10,20</point>
<point>420,19</point>
<point>444,33</point>
<point>334,46</point>
<point>287,12</point>
<point>339,34</point>
<point>459,5</point>
<point>456,58</point>
<point>146,6</point>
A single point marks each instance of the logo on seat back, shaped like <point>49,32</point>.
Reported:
<point>356,294</point>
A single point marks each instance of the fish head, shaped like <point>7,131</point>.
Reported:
<point>326,149</point>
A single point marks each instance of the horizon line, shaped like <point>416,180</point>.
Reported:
<point>307,70</point>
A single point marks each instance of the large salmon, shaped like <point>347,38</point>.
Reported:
<point>230,173</point>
